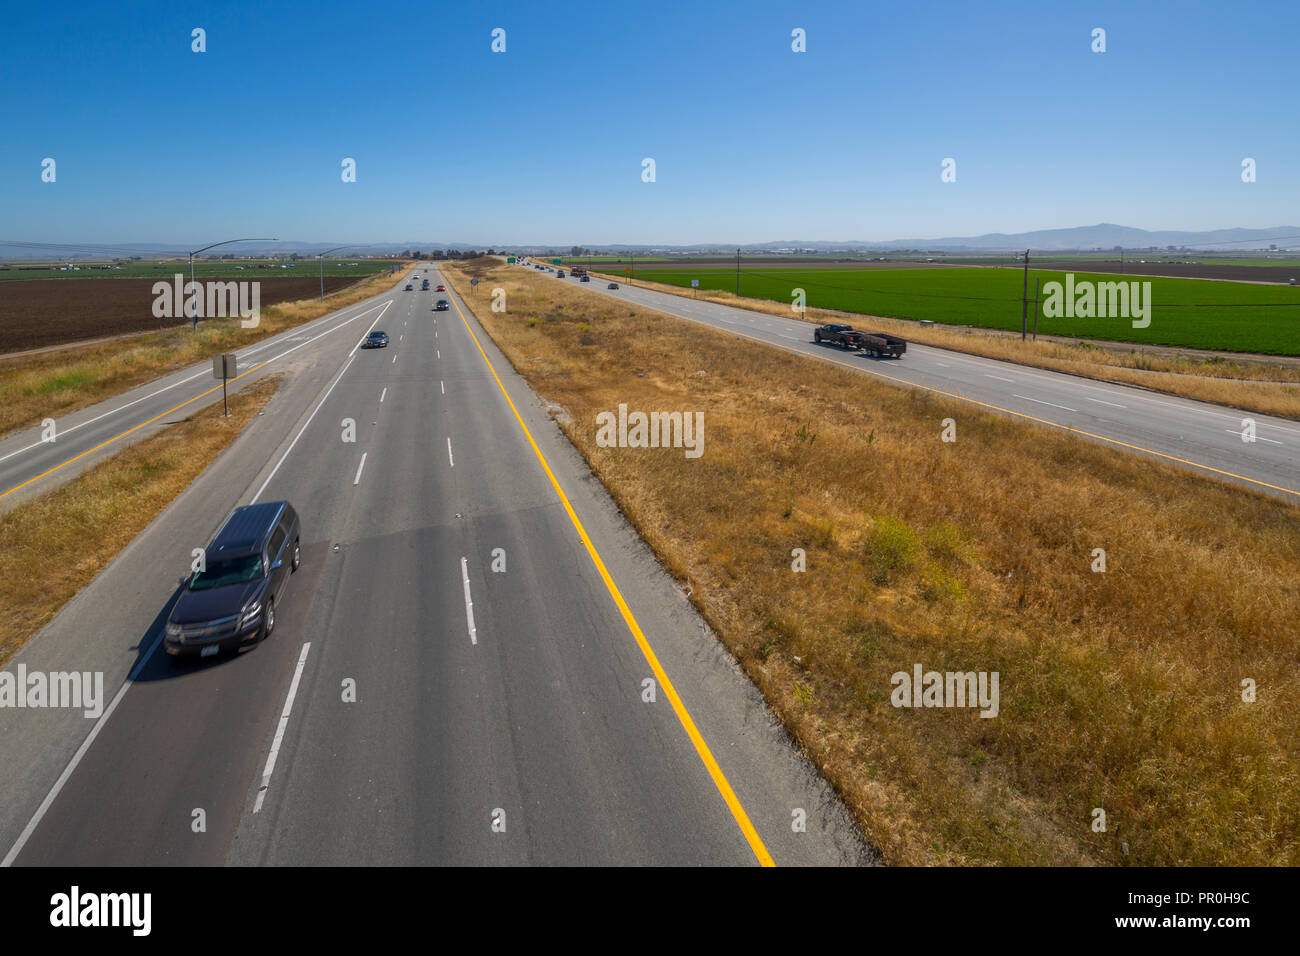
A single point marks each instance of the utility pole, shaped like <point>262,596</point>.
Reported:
<point>1024,302</point>
<point>737,273</point>
<point>1038,280</point>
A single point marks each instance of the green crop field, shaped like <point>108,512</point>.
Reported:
<point>1233,316</point>
<point>203,269</point>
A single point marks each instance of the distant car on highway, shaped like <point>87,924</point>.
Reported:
<point>560,274</point>
<point>441,288</point>
<point>442,305</point>
<point>409,287</point>
<point>376,340</point>
<point>231,601</point>
<point>613,285</point>
<point>584,278</point>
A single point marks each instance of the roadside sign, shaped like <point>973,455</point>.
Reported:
<point>473,281</point>
<point>695,283</point>
<point>628,270</point>
<point>224,367</point>
<point>511,260</point>
<point>556,262</point>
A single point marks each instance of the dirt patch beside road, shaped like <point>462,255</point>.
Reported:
<point>37,313</point>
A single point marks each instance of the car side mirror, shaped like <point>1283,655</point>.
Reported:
<point>275,564</point>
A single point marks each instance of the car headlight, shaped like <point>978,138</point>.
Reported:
<point>174,630</point>
<point>251,614</point>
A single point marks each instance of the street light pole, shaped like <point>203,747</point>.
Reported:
<point>321,257</point>
<point>195,316</point>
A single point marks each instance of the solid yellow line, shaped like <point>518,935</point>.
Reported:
<point>972,401</point>
<point>110,441</point>
<point>683,715</point>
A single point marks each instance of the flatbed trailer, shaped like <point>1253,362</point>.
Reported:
<point>883,345</point>
<point>875,344</point>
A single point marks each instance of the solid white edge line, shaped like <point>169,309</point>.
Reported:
<point>451,461</point>
<point>279,730</point>
<point>50,797</point>
<point>382,394</point>
<point>299,435</point>
<point>372,325</point>
<point>1193,406</point>
<point>91,421</point>
<point>469,605</point>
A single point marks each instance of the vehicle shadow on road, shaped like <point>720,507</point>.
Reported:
<point>159,665</point>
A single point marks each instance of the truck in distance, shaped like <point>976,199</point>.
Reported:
<point>875,344</point>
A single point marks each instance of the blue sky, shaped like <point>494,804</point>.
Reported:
<point>544,143</point>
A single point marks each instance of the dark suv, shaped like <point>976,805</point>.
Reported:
<point>231,602</point>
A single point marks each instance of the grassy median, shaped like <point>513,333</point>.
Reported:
<point>1120,691</point>
<point>1268,388</point>
<point>53,546</point>
<point>49,384</point>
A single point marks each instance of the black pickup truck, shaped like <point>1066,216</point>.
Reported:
<point>876,344</point>
<point>845,336</point>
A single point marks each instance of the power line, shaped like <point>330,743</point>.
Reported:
<point>911,293</point>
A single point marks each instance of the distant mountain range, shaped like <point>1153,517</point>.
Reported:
<point>1103,236</point>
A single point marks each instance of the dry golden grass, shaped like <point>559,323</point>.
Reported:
<point>1119,690</point>
<point>47,385</point>
<point>1272,389</point>
<point>53,546</point>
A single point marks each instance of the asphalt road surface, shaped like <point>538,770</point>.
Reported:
<point>32,465</point>
<point>416,704</point>
<point>1197,435</point>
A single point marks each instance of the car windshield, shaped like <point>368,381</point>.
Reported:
<point>378,335</point>
<point>225,571</point>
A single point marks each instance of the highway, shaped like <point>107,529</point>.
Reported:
<point>30,465</point>
<point>478,662</point>
<point>1198,435</point>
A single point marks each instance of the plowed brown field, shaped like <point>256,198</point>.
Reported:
<point>39,312</point>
